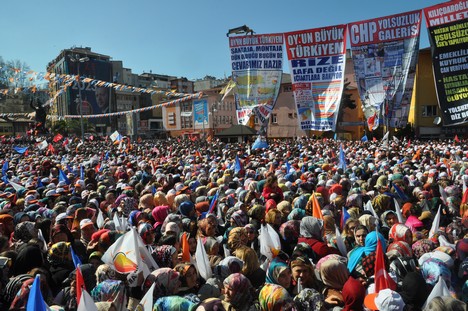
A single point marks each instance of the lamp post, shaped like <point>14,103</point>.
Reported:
<point>77,59</point>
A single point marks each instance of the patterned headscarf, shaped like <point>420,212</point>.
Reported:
<point>242,290</point>
<point>110,291</point>
<point>289,230</point>
<point>163,255</point>
<point>334,273</point>
<point>166,280</point>
<point>173,303</point>
<point>159,214</point>
<point>296,214</point>
<point>25,231</point>
<point>240,219</point>
<point>309,300</point>
<point>400,249</point>
<point>421,247</point>
<point>237,238</point>
<point>276,267</point>
<point>105,272</point>
<point>434,268</point>
<point>59,253</point>
<point>398,232</point>
<point>274,297</point>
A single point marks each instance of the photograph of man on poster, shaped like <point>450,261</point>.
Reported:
<point>102,99</point>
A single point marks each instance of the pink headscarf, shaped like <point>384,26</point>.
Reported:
<point>160,213</point>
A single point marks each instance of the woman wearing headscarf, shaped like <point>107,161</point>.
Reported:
<point>207,226</point>
<point>353,295</point>
<point>348,233</point>
<point>311,232</point>
<point>7,225</point>
<point>271,190</point>
<point>111,291</point>
<point>274,297</point>
<point>212,250</point>
<point>165,256</point>
<point>334,274</point>
<point>159,214</point>
<point>387,219</point>
<point>24,232</point>
<point>251,268</point>
<point>166,282</point>
<point>361,260</point>
<point>289,232</point>
<point>369,221</point>
<point>61,264</point>
<point>252,235</point>
<point>174,303</point>
<point>238,292</point>
<point>29,257</point>
<point>188,277</point>
<point>400,232</point>
<point>279,273</point>
<point>274,218</point>
<point>237,238</point>
<point>303,275</point>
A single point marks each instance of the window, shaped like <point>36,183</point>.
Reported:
<point>290,115</point>
<point>256,120</point>
<point>429,111</point>
<point>274,118</point>
<point>287,88</point>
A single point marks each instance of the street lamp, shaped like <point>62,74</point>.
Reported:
<point>78,59</point>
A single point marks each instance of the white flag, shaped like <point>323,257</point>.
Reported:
<point>100,219</point>
<point>439,290</point>
<point>340,242</point>
<point>203,263</point>
<point>398,211</point>
<point>269,241</point>
<point>42,145</point>
<point>86,302</point>
<point>435,224</point>
<point>146,303</point>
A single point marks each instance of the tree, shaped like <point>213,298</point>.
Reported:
<point>14,73</point>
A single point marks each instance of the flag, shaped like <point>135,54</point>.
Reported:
<point>97,169</point>
<point>42,145</point>
<point>51,149</point>
<point>385,137</point>
<point>381,278</point>
<point>409,143</point>
<point>5,167</point>
<point>399,192</point>
<point>456,139</point>
<point>40,236</point>
<point>75,258</point>
<point>214,202</point>
<point>270,243</point>
<point>82,173</point>
<point>146,303</point>
<point>116,136</point>
<point>435,224</point>
<point>202,261</point>
<point>20,150</point>
<point>228,89</point>
<point>86,303</point>
<point>35,300</point>
<point>344,217</point>
<point>364,138</point>
<point>316,210</point>
<point>100,219</point>
<point>16,186</point>
<point>185,248</point>
<point>39,183</point>
<point>368,207</point>
<point>237,165</point>
<point>398,212</point>
<point>417,155</point>
<point>340,242</point>
<point>373,122</point>
<point>342,163</point>
<point>80,284</point>
<point>106,156</point>
<point>63,177</point>
<point>65,142</point>
<point>123,255</point>
<point>288,167</point>
<point>439,290</point>
<point>57,138</point>
<point>443,195</point>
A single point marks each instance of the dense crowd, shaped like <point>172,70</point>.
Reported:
<point>301,225</point>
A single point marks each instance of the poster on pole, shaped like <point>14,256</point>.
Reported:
<point>317,59</point>
<point>447,24</point>
<point>385,55</point>
<point>200,107</point>
<point>257,63</point>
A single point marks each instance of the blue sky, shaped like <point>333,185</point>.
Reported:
<point>181,38</point>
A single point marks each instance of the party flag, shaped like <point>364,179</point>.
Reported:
<point>385,137</point>
<point>214,202</point>
<point>316,210</point>
<point>5,167</point>
<point>51,149</point>
<point>79,283</point>
<point>35,300</point>
<point>75,258</point>
<point>342,163</point>
<point>82,173</point>
<point>399,192</point>
<point>185,248</point>
<point>63,177</point>
<point>20,150</point>
<point>146,303</point>
<point>344,217</point>
<point>340,242</point>
<point>373,122</point>
<point>100,219</point>
<point>443,195</point>
<point>435,224</point>
<point>86,302</point>
<point>16,186</point>
<point>381,278</point>
<point>42,145</point>
<point>456,139</point>
<point>106,156</point>
<point>202,261</point>
<point>237,165</point>
<point>364,138</point>
<point>40,236</point>
<point>368,207</point>
<point>288,167</point>
<point>270,243</point>
<point>97,169</point>
<point>417,155</point>
<point>57,138</point>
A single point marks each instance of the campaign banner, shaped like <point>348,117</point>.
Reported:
<point>257,63</point>
<point>385,55</point>
<point>447,24</point>
<point>200,108</point>
<point>96,100</point>
<point>317,59</point>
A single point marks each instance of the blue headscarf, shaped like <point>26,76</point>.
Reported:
<point>370,246</point>
<point>274,270</point>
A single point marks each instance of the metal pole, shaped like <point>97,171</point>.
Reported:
<point>81,103</point>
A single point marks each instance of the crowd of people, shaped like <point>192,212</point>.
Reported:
<point>335,209</point>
